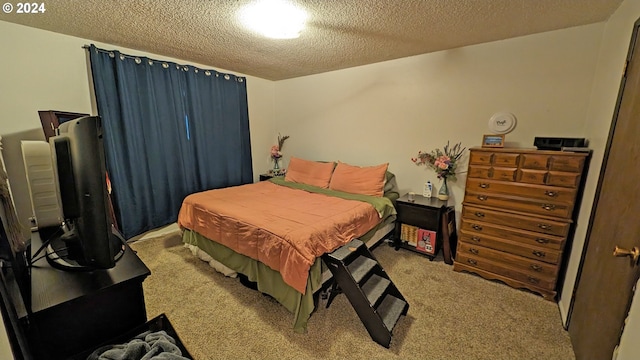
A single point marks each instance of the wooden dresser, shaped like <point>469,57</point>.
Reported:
<point>517,213</point>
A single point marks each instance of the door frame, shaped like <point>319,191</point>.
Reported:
<point>605,160</point>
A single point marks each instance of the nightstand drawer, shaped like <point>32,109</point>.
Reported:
<point>422,217</point>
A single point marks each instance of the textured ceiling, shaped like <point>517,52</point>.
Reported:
<point>339,33</point>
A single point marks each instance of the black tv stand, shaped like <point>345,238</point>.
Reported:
<point>63,251</point>
<point>68,312</point>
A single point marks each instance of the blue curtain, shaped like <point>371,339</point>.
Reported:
<point>169,130</point>
<point>219,132</point>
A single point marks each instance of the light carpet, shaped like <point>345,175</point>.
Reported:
<point>451,315</point>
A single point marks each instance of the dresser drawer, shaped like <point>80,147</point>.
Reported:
<point>512,247</point>
<point>524,190</point>
<point>567,163</point>
<point>566,179</point>
<point>480,158</point>
<point>536,268</point>
<point>481,172</point>
<point>535,161</point>
<point>505,160</point>
<point>503,173</point>
<point>541,241</point>
<point>419,216</point>
<point>496,173</point>
<point>535,206</point>
<point>531,223</point>
<point>530,176</point>
<point>507,271</point>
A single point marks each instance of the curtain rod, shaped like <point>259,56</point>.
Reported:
<point>207,72</point>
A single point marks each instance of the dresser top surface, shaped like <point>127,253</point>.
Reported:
<point>531,151</point>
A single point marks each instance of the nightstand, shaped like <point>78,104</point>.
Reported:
<point>429,214</point>
<point>268,176</point>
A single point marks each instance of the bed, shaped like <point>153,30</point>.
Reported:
<point>274,232</point>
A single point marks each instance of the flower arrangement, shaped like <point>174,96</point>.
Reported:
<point>444,161</point>
<point>276,150</point>
<point>276,154</point>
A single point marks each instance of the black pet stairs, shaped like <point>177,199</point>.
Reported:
<point>364,282</point>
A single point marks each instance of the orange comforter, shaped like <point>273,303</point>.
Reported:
<point>284,228</point>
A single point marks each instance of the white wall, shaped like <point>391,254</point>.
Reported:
<point>42,70</point>
<point>387,112</point>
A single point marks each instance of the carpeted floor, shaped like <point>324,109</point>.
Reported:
<point>451,315</point>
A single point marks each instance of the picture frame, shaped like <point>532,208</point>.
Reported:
<point>493,141</point>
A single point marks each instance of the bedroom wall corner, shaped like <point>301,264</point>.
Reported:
<point>262,123</point>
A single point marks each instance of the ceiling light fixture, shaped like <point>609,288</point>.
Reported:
<point>276,19</point>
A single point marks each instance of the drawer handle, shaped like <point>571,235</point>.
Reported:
<point>544,226</point>
<point>540,254</point>
<point>542,241</point>
<point>482,197</point>
<point>484,185</point>
<point>551,193</point>
<point>472,262</point>
<point>473,251</point>
<point>535,267</point>
<point>548,207</point>
<point>476,227</point>
<point>479,214</point>
<point>533,280</point>
<point>475,238</point>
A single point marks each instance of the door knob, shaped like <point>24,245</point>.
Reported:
<point>633,253</point>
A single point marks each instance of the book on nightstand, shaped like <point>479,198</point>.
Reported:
<point>426,241</point>
<point>409,234</point>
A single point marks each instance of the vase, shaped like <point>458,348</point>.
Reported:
<point>443,192</point>
<point>276,166</point>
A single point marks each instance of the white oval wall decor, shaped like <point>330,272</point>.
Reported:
<point>502,123</point>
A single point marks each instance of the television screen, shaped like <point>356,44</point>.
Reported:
<point>89,241</point>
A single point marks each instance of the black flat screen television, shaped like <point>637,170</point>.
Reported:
<point>89,240</point>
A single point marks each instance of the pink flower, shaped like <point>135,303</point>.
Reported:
<point>275,152</point>
<point>444,162</point>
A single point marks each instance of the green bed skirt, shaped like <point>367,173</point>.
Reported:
<point>268,280</point>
